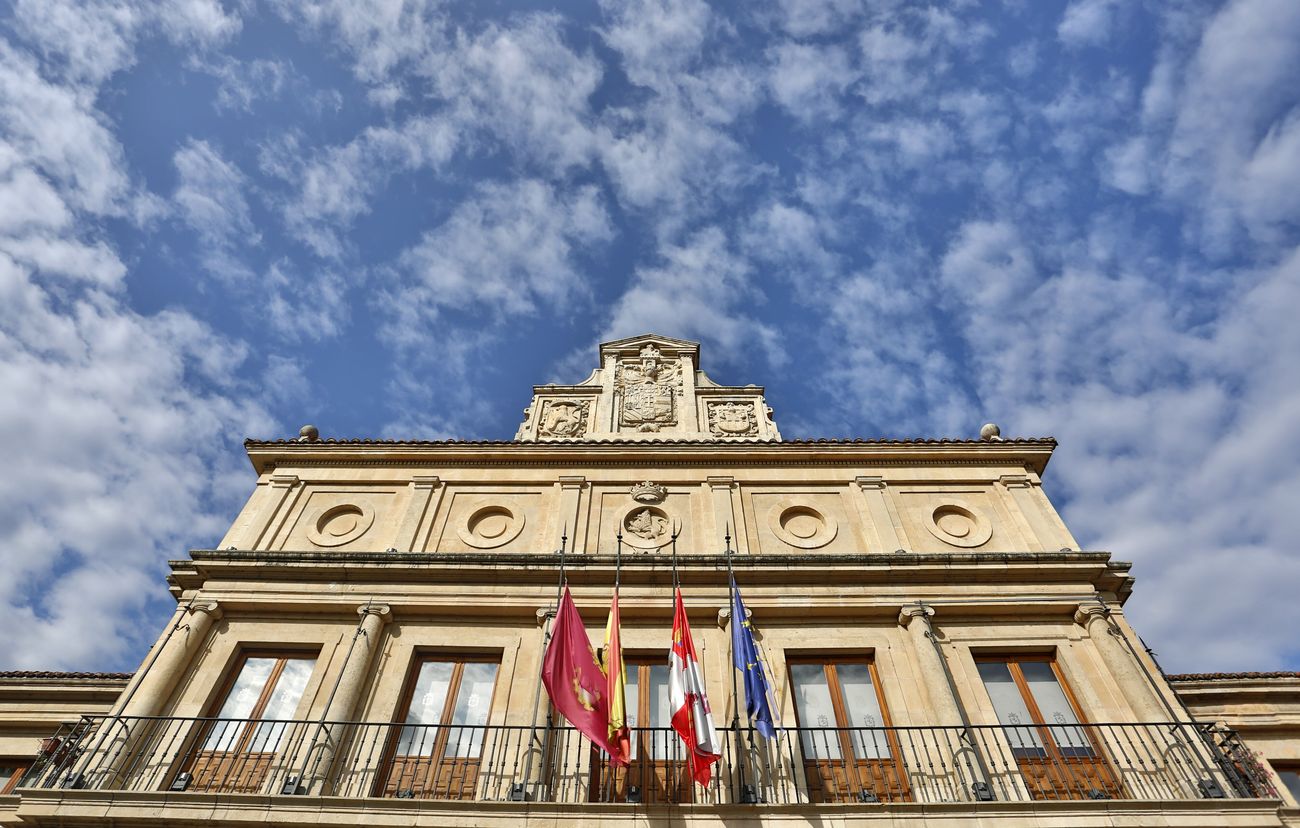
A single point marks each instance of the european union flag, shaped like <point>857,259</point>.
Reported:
<point>744,653</point>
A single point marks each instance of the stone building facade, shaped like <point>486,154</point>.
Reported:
<point>363,647</point>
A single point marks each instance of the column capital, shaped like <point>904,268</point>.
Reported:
<point>383,611</point>
<point>544,613</point>
<point>284,481</point>
<point>869,482</point>
<point>910,611</point>
<point>208,606</point>
<point>1088,611</point>
<point>572,481</point>
<point>724,616</point>
<point>720,481</point>
<point>426,481</point>
<point>1016,481</point>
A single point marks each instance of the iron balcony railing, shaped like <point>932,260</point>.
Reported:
<point>1156,761</point>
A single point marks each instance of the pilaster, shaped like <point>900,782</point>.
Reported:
<point>880,517</point>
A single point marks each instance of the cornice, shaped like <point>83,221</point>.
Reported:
<point>1032,454</point>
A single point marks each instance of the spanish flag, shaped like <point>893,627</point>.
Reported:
<point>620,752</point>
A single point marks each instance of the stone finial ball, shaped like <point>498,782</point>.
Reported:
<point>990,431</point>
<point>308,434</point>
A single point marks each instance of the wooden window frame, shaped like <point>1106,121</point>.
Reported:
<point>193,758</point>
<point>830,663</point>
<point>1055,758</point>
<point>22,765</point>
<point>437,750</point>
<point>281,656</point>
<point>1287,766</point>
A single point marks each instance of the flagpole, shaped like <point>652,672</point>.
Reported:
<point>518,791</point>
<point>745,794</point>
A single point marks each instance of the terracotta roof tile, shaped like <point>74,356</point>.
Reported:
<point>1230,676</point>
<point>875,441</point>
<point>54,674</point>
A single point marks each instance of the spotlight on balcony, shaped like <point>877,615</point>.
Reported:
<point>181,782</point>
<point>74,781</point>
<point>291,786</point>
<point>1094,793</point>
<point>406,793</point>
<point>519,792</point>
<point>748,796</point>
<point>1210,789</point>
<point>868,796</point>
<point>634,794</point>
<point>983,791</point>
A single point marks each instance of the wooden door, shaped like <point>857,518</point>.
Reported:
<point>658,768</point>
<point>437,753</point>
<point>236,749</point>
<point>849,753</point>
<point>1055,751</point>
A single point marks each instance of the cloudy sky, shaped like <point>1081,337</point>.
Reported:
<point>225,219</point>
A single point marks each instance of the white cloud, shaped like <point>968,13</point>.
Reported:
<point>509,250</point>
<point>809,80</point>
<point>658,40</point>
<point>335,185</point>
<point>1216,130</point>
<point>126,425</point>
<point>383,37</point>
<point>210,198</point>
<point>698,290</point>
<point>803,18</point>
<point>1087,22</point>
<point>525,86</point>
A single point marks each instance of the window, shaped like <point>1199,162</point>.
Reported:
<point>237,745</point>
<point>1290,776</point>
<point>658,768</point>
<point>1047,735</point>
<point>850,753</point>
<point>11,772</point>
<point>445,713</point>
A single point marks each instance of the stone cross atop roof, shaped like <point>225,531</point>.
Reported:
<point>648,387</point>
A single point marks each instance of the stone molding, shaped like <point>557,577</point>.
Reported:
<point>910,611</point>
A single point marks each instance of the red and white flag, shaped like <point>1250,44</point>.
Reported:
<point>692,718</point>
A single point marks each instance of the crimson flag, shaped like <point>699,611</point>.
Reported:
<point>573,677</point>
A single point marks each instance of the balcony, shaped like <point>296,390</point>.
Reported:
<point>804,766</point>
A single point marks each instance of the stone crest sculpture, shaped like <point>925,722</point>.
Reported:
<point>563,418</point>
<point>648,492</point>
<point>649,524</point>
<point>649,387</point>
<point>732,420</point>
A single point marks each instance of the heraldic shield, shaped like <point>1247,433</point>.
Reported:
<point>647,406</point>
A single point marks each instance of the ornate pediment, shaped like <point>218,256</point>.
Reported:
<point>648,387</point>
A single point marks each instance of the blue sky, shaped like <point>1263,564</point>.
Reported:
<point>225,219</point>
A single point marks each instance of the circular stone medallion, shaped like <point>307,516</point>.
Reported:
<point>957,523</point>
<point>648,527</point>
<point>491,525</point>
<point>341,524</point>
<point>800,525</point>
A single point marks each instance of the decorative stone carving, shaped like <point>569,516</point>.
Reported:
<point>649,389</point>
<point>563,418</point>
<point>341,524</point>
<point>732,419</point>
<point>491,525</point>
<point>957,523</point>
<point>801,525</point>
<point>648,492</point>
<point>648,527</point>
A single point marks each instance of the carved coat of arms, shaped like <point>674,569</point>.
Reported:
<point>732,420</point>
<point>563,418</point>
<point>649,388</point>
